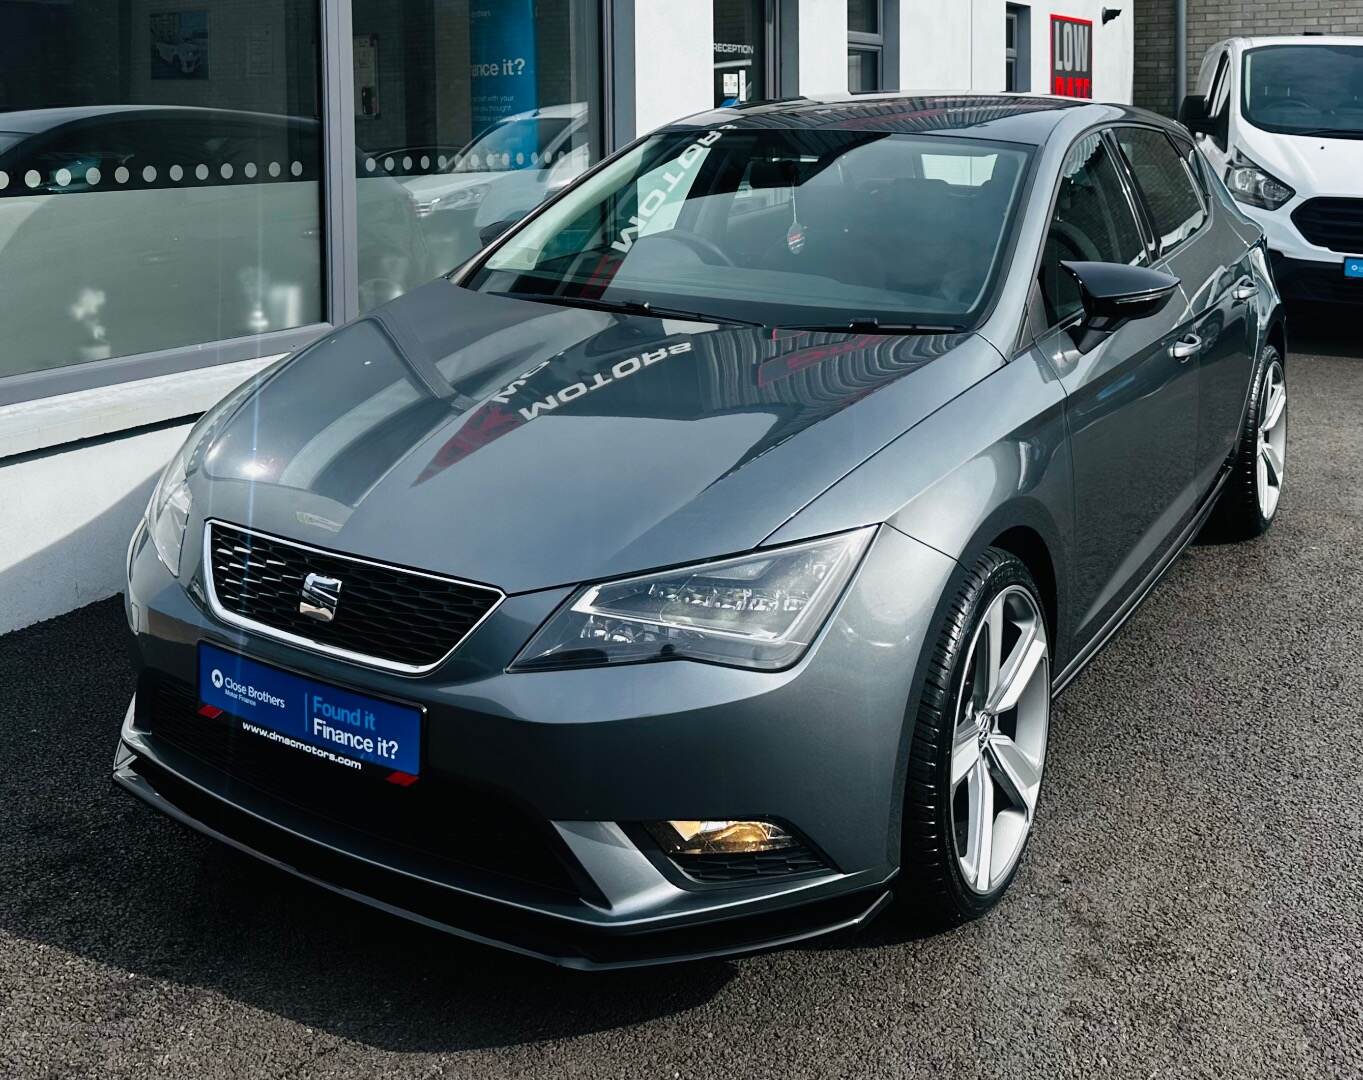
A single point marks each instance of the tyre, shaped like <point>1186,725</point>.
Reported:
<point>979,745</point>
<point>1249,501</point>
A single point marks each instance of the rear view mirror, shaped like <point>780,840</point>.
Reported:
<point>1113,294</point>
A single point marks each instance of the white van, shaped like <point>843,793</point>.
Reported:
<point>1281,119</point>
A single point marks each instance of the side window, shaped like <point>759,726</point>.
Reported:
<point>1093,222</point>
<point>1176,211</point>
<point>1218,97</point>
<point>1211,67</point>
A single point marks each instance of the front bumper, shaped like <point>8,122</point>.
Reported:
<point>1304,272</point>
<point>1311,282</point>
<point>581,757</point>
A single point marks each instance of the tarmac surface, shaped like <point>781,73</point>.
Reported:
<point>1191,904</point>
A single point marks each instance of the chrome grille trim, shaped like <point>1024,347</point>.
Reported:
<point>241,622</point>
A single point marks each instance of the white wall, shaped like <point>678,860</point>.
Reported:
<point>673,60</point>
<point>958,44</point>
<point>69,498</point>
<point>67,521</point>
<point>934,45</point>
<point>823,47</point>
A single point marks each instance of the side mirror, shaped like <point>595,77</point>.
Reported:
<point>489,233</point>
<point>1113,294</point>
<point>1192,114</point>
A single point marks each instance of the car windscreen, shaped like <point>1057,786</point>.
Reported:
<point>1305,90</point>
<point>780,227</point>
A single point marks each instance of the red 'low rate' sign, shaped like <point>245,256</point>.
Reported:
<point>1071,57</point>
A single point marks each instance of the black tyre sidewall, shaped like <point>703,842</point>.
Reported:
<point>931,883</point>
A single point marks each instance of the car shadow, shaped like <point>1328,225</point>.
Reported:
<point>94,873</point>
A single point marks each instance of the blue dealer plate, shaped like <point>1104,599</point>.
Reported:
<point>330,724</point>
<point>1353,268</point>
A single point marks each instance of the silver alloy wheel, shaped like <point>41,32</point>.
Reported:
<point>999,746</point>
<point>1272,455</point>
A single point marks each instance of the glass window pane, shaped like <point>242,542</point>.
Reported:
<point>1175,208</point>
<point>466,114</point>
<point>863,16</point>
<point>159,177</point>
<point>1093,222</point>
<point>784,227</point>
<point>863,70</point>
<point>740,51</point>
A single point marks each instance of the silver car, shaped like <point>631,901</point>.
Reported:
<point>694,571</point>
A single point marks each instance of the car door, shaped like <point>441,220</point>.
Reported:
<point>1213,263</point>
<point>1214,84</point>
<point>1131,402</point>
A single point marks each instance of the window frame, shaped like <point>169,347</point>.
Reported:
<point>339,246</point>
<point>1159,252</point>
<point>861,41</point>
<point>1036,307</point>
<point>1021,17</point>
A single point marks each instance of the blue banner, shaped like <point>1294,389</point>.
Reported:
<point>332,725</point>
<point>502,68</point>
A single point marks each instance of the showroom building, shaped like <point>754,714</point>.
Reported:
<point>192,188</point>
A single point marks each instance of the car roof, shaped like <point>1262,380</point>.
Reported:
<point>1023,118</point>
<point>1291,39</point>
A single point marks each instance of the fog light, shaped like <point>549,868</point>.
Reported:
<point>719,837</point>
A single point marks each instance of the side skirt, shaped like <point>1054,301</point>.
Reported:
<point>1106,634</point>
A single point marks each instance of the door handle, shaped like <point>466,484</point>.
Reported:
<point>1186,347</point>
<point>1246,290</point>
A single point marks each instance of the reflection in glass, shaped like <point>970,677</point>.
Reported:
<point>476,111</point>
<point>740,51</point>
<point>159,177</point>
<point>776,227</point>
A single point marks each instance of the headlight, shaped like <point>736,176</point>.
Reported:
<point>168,510</point>
<point>756,611</point>
<point>462,199</point>
<point>1251,184</point>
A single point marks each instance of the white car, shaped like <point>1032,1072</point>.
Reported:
<point>1281,119</point>
<point>502,174</point>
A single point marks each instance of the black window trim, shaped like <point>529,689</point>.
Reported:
<point>1157,251</point>
<point>339,255</point>
<point>1104,131</point>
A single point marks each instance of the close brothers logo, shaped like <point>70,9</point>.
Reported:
<point>217,679</point>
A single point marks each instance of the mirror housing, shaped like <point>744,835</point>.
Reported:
<point>489,233</point>
<point>1192,114</point>
<point>1113,294</point>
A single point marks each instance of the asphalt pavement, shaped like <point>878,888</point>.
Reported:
<point>1190,906</point>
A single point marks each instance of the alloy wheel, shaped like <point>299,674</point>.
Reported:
<point>999,743</point>
<point>1268,479</point>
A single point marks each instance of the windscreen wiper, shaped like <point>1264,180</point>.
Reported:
<point>1329,133</point>
<point>630,307</point>
<point>869,324</point>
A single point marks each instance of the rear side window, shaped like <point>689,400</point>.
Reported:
<point>1093,222</point>
<point>1176,209</point>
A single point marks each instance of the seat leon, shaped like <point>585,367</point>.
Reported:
<point>692,571</point>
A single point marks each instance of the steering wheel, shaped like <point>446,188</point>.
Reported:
<point>701,245</point>
<point>1290,103</point>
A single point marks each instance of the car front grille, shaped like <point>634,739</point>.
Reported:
<point>1336,224</point>
<point>749,867</point>
<point>462,826</point>
<point>402,620</point>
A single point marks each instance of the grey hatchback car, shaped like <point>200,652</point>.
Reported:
<point>693,570</point>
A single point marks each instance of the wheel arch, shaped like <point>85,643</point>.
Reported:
<point>1277,335</point>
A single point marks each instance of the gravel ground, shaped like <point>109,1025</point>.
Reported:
<point>1191,905</point>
